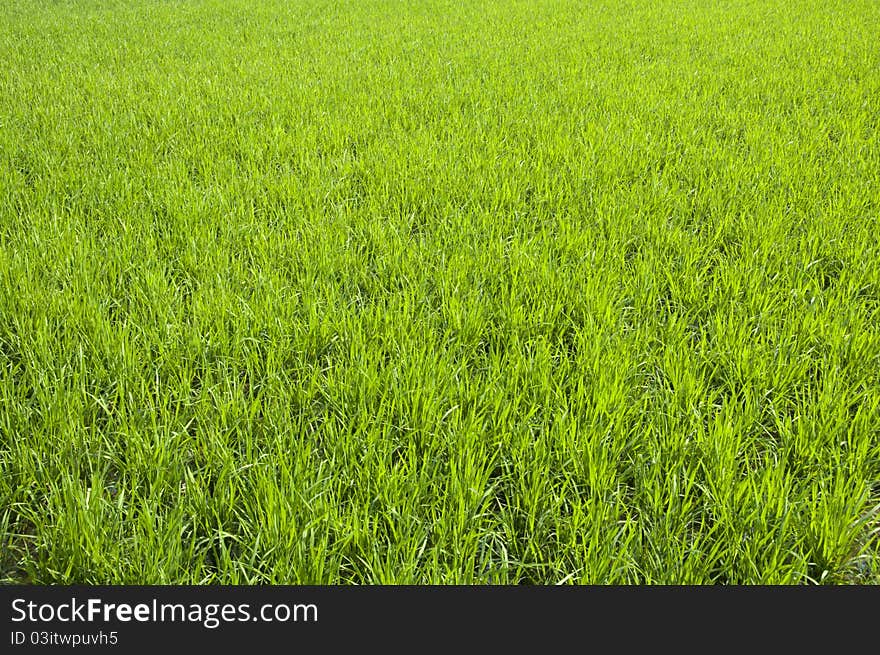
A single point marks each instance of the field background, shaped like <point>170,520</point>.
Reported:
<point>430,291</point>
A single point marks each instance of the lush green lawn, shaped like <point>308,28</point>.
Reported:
<point>332,291</point>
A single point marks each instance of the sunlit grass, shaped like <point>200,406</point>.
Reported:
<point>440,292</point>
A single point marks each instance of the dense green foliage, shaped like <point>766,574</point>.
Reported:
<point>423,291</point>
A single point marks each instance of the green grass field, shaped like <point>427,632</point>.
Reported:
<point>387,291</point>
